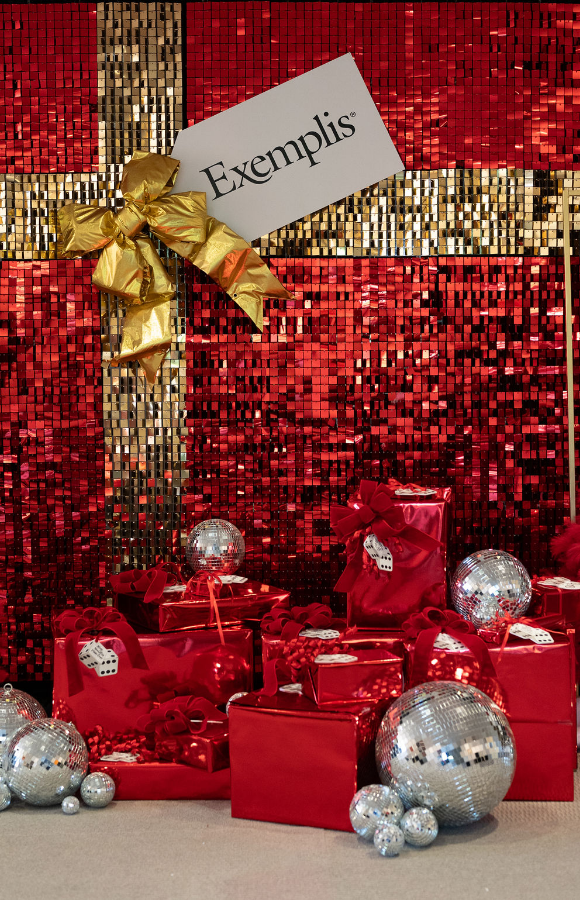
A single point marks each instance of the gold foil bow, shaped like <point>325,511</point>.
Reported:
<point>130,267</point>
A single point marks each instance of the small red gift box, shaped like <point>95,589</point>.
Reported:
<point>157,599</point>
<point>396,540</point>
<point>299,634</point>
<point>151,668</point>
<point>534,682</point>
<point>359,676</point>
<point>554,595</point>
<point>295,763</point>
<point>164,781</point>
<point>189,730</point>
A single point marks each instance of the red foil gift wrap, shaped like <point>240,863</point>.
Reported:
<point>171,610</point>
<point>282,636</point>
<point>189,730</point>
<point>546,760</point>
<point>553,595</point>
<point>186,663</point>
<point>164,781</point>
<point>414,530</point>
<point>368,676</point>
<point>294,763</point>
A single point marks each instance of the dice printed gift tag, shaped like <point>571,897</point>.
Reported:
<point>395,540</point>
<point>103,660</point>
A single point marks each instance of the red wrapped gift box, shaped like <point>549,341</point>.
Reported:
<point>164,781</point>
<point>536,685</point>
<point>359,676</point>
<point>189,730</point>
<point>292,762</point>
<point>151,668</point>
<point>396,540</point>
<point>169,611</point>
<point>554,595</point>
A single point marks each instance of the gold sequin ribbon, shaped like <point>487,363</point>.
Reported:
<point>130,267</point>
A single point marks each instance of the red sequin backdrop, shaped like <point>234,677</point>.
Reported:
<point>430,366</point>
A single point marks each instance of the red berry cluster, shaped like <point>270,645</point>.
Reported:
<point>301,651</point>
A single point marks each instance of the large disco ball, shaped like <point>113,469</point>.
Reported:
<point>490,575</point>
<point>45,762</point>
<point>447,746</point>
<point>16,708</point>
<point>215,546</point>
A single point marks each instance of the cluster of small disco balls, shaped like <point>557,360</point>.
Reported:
<point>377,814</point>
<point>44,761</point>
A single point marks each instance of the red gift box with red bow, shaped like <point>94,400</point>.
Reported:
<point>150,668</point>
<point>159,599</point>
<point>396,537</point>
<point>189,730</point>
<point>533,682</point>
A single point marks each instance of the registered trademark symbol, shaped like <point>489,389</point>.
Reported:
<point>352,115</point>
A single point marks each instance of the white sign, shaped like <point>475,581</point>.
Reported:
<point>289,151</point>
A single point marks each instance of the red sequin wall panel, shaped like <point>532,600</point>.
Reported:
<point>458,84</point>
<point>52,485</point>
<point>437,371</point>
<point>48,89</point>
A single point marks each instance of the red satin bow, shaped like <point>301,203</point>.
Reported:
<point>375,511</point>
<point>425,627</point>
<point>288,623</point>
<point>183,715</point>
<point>74,624</point>
<point>151,582</point>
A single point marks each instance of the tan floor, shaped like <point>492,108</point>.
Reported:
<point>191,850</point>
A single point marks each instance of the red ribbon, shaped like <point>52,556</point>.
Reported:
<point>375,512</point>
<point>212,581</point>
<point>276,673</point>
<point>75,624</point>
<point>151,582</point>
<point>424,627</point>
<point>183,715</point>
<point>499,631</point>
<point>288,623</point>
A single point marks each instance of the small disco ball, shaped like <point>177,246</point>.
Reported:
<point>448,743</point>
<point>215,546</point>
<point>389,839</point>
<point>491,575</point>
<point>419,826</point>
<point>16,708</point>
<point>45,762</point>
<point>373,806</point>
<point>97,790</point>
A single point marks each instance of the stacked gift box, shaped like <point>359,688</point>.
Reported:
<point>167,686</point>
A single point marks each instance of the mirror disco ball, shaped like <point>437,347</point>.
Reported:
<point>16,708</point>
<point>45,762</point>
<point>215,546</point>
<point>491,575</point>
<point>447,746</point>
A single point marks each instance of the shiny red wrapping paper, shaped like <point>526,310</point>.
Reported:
<point>186,663</point>
<point>236,602</point>
<point>209,751</point>
<point>373,675</point>
<point>549,600</point>
<point>294,763</point>
<point>380,599</point>
<point>165,781</point>
<point>536,685</point>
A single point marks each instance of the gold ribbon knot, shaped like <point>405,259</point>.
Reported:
<point>130,267</point>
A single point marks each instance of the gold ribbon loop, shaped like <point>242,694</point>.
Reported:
<point>130,267</point>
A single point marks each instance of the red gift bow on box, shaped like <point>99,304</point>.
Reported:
<point>150,582</point>
<point>499,631</point>
<point>74,624</point>
<point>424,627</point>
<point>183,715</point>
<point>288,623</point>
<point>385,518</point>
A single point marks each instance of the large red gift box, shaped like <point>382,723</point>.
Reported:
<point>164,781</point>
<point>152,668</point>
<point>396,539</point>
<point>535,684</point>
<point>294,763</point>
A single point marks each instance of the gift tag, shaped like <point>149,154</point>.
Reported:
<point>232,579</point>
<point>321,634</point>
<point>446,642</point>
<point>88,654</point>
<point>415,492</point>
<point>377,551</point>
<point>109,665</point>
<point>559,582</point>
<point>120,757</point>
<point>529,633</point>
<point>294,688</point>
<point>326,658</point>
<point>175,589</point>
